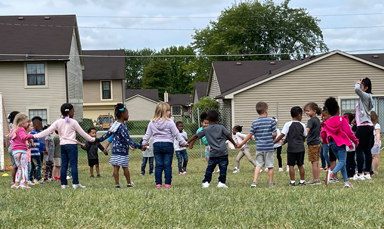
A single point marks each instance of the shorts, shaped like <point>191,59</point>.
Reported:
<point>57,162</point>
<point>332,156</point>
<point>314,152</point>
<point>376,150</point>
<point>92,162</point>
<point>265,159</point>
<point>295,158</point>
<point>12,158</point>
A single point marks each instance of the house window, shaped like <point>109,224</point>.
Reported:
<point>42,113</point>
<point>106,89</point>
<point>35,74</point>
<point>176,110</point>
<point>348,105</point>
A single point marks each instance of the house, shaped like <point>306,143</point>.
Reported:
<point>103,82</point>
<point>199,91</point>
<point>41,65</point>
<point>181,104</point>
<point>141,103</point>
<point>284,84</point>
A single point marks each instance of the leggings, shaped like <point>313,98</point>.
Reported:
<point>365,136</point>
<point>21,160</point>
<point>48,169</point>
<point>244,152</point>
<point>278,155</point>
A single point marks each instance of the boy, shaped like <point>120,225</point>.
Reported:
<point>56,157</point>
<point>181,152</point>
<point>36,153</point>
<point>148,156</point>
<point>91,148</point>
<point>264,130</point>
<point>296,133</point>
<point>218,155</point>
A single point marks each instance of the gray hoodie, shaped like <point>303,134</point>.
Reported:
<point>163,131</point>
<point>364,105</point>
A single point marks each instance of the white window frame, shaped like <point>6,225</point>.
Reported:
<point>339,98</point>
<point>181,111</point>
<point>39,108</point>
<point>101,90</point>
<point>45,76</point>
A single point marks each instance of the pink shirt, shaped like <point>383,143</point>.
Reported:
<point>67,132</point>
<point>358,119</point>
<point>19,142</point>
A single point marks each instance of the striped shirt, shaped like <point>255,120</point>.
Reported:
<point>35,151</point>
<point>263,128</point>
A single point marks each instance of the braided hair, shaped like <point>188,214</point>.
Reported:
<point>119,109</point>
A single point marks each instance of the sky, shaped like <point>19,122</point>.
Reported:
<point>114,13</point>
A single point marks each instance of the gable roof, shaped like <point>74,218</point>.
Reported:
<point>201,89</point>
<point>43,35</point>
<point>152,94</point>
<point>179,99</point>
<point>104,68</point>
<point>374,58</point>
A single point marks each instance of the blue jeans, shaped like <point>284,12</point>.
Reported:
<point>180,155</point>
<point>69,154</point>
<point>341,154</point>
<point>324,151</point>
<point>150,162</point>
<point>163,156</point>
<point>322,159</point>
<point>212,162</point>
<point>35,167</point>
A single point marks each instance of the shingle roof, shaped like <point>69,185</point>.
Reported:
<point>179,99</point>
<point>35,35</point>
<point>201,89</point>
<point>104,68</point>
<point>152,94</point>
<point>374,58</point>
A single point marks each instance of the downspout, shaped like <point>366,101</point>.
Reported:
<point>66,82</point>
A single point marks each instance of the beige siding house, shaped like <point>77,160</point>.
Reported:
<point>141,103</point>
<point>309,80</point>
<point>103,82</point>
<point>33,82</point>
<point>199,91</point>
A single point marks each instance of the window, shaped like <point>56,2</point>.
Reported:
<point>348,105</point>
<point>35,74</point>
<point>106,89</point>
<point>176,110</point>
<point>39,112</point>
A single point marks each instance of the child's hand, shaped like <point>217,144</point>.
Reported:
<point>133,149</point>
<point>45,152</point>
<point>33,145</point>
<point>190,146</point>
<point>106,153</point>
<point>281,142</point>
<point>144,148</point>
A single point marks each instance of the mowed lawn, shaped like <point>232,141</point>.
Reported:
<point>187,205</point>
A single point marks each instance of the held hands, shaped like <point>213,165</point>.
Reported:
<point>133,149</point>
<point>144,148</point>
<point>45,152</point>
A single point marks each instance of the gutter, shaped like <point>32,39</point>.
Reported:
<point>66,82</point>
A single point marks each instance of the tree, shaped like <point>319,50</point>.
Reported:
<point>251,27</point>
<point>135,65</point>
<point>157,75</point>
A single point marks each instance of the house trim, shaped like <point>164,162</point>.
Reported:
<point>101,90</point>
<point>143,97</point>
<point>26,86</point>
<point>210,80</point>
<point>98,104</point>
<point>339,98</point>
<point>39,108</point>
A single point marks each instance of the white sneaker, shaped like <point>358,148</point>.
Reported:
<point>280,169</point>
<point>218,170</point>
<point>41,181</point>
<point>76,186</point>
<point>221,185</point>
<point>236,170</point>
<point>31,183</point>
<point>367,176</point>
<point>205,184</point>
<point>287,168</point>
<point>50,179</point>
<point>261,170</point>
<point>64,186</point>
<point>69,177</point>
<point>133,184</point>
<point>266,169</point>
<point>357,177</point>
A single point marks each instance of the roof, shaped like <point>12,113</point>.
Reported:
<point>104,68</point>
<point>37,35</point>
<point>152,94</point>
<point>201,89</point>
<point>179,99</point>
<point>374,58</point>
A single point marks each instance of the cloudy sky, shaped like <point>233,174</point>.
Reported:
<point>93,14</point>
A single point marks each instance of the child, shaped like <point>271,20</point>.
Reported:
<point>110,139</point>
<point>264,131</point>
<point>48,157</point>
<point>147,157</point>
<point>244,150</point>
<point>36,153</point>
<point>278,147</point>
<point>376,147</point>
<point>218,155</point>
<point>120,146</point>
<point>181,152</point>
<point>92,152</point>
<point>337,133</point>
<point>164,131</point>
<point>204,123</point>
<point>67,128</point>
<point>19,148</point>
<point>350,163</point>
<point>11,118</point>
<point>56,157</point>
<point>313,140</point>
<point>296,132</point>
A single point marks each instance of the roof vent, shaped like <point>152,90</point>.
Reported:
<point>375,56</point>
<point>238,63</point>
<point>21,18</point>
<point>270,71</point>
<point>272,63</point>
<point>47,18</point>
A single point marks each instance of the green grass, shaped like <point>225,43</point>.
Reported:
<point>187,205</point>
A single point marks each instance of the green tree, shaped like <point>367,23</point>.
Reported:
<point>157,75</point>
<point>135,65</point>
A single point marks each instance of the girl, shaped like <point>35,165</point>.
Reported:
<point>350,164</point>
<point>11,118</point>
<point>376,147</point>
<point>48,157</point>
<point>364,133</point>
<point>164,131</point>
<point>120,145</point>
<point>313,140</point>
<point>278,146</point>
<point>337,133</point>
<point>244,151</point>
<point>19,148</point>
<point>67,128</point>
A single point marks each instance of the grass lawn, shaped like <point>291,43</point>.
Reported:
<point>187,205</point>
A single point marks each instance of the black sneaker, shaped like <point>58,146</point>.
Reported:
<point>302,184</point>
<point>151,174</point>
<point>292,184</point>
<point>92,176</point>
<point>129,186</point>
<point>98,175</point>
<point>141,174</point>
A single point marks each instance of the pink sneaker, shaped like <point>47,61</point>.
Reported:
<point>266,170</point>
<point>168,186</point>
<point>159,186</point>
<point>280,169</point>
